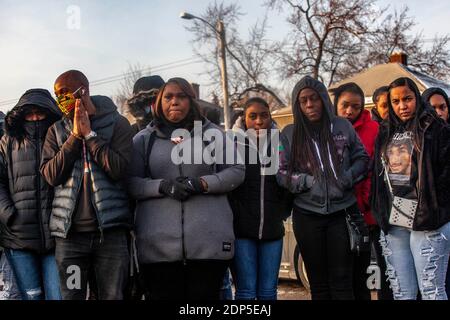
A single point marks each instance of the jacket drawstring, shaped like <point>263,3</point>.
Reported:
<point>318,154</point>
<point>331,161</point>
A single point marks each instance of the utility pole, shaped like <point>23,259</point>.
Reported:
<point>223,72</point>
<point>219,29</point>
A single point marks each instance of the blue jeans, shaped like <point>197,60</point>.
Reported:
<point>226,292</point>
<point>417,260</point>
<point>10,290</point>
<point>36,275</point>
<point>447,282</point>
<point>256,265</point>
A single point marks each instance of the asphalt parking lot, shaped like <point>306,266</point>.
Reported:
<point>292,290</point>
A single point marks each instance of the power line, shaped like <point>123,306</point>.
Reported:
<point>93,83</point>
<point>162,67</point>
<point>98,83</point>
<point>8,101</point>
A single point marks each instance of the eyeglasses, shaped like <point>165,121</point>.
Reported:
<point>66,101</point>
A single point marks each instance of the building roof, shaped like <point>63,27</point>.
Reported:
<point>209,105</point>
<point>282,111</point>
<point>383,74</point>
<point>370,80</point>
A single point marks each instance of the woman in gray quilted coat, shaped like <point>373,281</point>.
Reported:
<point>183,221</point>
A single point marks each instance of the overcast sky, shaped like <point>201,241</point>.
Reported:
<point>39,39</point>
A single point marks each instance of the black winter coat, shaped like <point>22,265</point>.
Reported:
<point>259,204</point>
<point>433,182</point>
<point>25,197</point>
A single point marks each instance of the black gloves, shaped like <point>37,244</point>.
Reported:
<point>194,185</point>
<point>181,188</point>
<point>174,189</point>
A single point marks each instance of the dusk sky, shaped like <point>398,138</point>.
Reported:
<point>36,44</point>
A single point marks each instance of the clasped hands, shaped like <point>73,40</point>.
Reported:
<point>81,122</point>
<point>182,188</point>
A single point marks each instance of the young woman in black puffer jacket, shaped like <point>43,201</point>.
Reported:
<point>259,207</point>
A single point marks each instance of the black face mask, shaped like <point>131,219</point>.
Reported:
<point>36,129</point>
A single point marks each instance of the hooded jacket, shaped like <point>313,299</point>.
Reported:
<point>108,156</point>
<point>367,130</point>
<point>311,195</point>
<point>259,204</point>
<point>25,197</point>
<point>433,171</point>
<point>427,94</point>
<point>376,115</point>
<point>167,230</point>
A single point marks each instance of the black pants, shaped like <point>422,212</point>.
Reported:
<point>194,280</point>
<point>325,247</point>
<point>81,253</point>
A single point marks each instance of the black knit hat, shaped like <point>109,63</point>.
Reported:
<point>148,83</point>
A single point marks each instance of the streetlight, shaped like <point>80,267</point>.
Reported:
<point>220,31</point>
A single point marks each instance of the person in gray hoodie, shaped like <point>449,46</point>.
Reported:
<point>321,159</point>
<point>183,221</point>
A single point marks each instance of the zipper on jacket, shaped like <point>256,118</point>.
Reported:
<point>419,169</point>
<point>38,182</point>
<point>91,198</point>
<point>98,219</point>
<point>326,200</point>
<point>66,232</point>
<point>261,197</point>
<point>182,222</point>
<point>73,209</point>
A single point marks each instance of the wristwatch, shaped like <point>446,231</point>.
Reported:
<point>91,134</point>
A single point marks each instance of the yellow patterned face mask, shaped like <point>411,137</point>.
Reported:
<point>66,102</point>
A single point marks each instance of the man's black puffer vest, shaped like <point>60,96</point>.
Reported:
<point>109,197</point>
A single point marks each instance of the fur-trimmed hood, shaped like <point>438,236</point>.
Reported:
<point>41,98</point>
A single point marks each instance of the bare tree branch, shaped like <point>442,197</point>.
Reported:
<point>125,90</point>
<point>249,60</point>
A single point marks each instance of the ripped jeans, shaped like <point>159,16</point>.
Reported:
<point>9,291</point>
<point>417,260</point>
<point>36,275</point>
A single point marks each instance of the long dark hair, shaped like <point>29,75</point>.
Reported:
<point>194,108</point>
<point>394,122</point>
<point>303,155</point>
